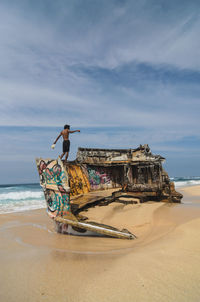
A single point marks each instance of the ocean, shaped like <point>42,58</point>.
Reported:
<point>19,198</point>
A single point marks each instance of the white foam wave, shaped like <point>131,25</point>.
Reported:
<point>22,195</point>
<point>20,206</point>
<point>187,183</point>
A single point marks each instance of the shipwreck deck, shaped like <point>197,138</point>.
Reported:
<point>83,200</point>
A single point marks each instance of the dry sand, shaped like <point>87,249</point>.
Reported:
<point>162,264</point>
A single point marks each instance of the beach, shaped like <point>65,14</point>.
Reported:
<point>162,264</point>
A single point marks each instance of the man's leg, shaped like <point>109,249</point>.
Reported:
<point>66,157</point>
<point>62,155</point>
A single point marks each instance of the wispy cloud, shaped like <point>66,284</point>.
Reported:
<point>131,66</point>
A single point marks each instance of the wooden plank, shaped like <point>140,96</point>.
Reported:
<point>104,230</point>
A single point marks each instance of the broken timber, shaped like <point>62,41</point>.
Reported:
<point>98,228</point>
<point>99,177</point>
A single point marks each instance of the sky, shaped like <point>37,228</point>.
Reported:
<point>124,72</point>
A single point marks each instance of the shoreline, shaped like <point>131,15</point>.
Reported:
<point>160,265</point>
<point>34,207</point>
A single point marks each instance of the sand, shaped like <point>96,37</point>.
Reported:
<point>162,264</point>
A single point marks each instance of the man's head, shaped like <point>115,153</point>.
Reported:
<point>67,127</point>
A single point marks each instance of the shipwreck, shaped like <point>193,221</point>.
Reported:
<point>98,177</point>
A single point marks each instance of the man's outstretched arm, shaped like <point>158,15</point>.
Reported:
<point>74,131</point>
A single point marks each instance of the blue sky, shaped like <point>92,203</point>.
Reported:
<point>123,72</point>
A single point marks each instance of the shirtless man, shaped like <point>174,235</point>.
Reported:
<point>66,142</point>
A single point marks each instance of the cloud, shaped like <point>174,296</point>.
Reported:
<point>51,38</point>
<point>125,72</point>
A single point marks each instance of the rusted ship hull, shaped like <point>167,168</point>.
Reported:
<point>64,204</point>
<point>99,177</point>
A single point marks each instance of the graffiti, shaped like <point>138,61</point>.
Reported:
<point>98,176</point>
<point>54,182</point>
<point>51,175</point>
<point>55,202</point>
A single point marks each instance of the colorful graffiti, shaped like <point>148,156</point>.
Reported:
<point>51,172</point>
<point>54,181</point>
<point>98,177</point>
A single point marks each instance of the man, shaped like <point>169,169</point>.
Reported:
<point>66,142</point>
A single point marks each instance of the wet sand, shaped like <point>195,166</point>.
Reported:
<point>162,264</point>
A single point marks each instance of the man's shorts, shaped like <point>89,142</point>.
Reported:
<point>66,145</point>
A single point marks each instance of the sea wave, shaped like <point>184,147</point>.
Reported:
<point>188,182</point>
<point>21,195</point>
<point>182,181</point>
<point>21,206</point>
<point>19,198</point>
